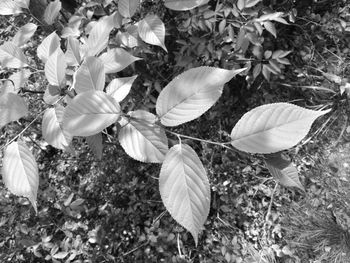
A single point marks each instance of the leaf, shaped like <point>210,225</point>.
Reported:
<point>183,5</point>
<point>20,78</point>
<point>269,26</point>
<point>72,54</point>
<point>287,176</point>
<point>12,108</point>
<point>241,4</point>
<point>127,8</point>
<point>99,36</point>
<point>256,70</point>
<point>89,113</point>
<point>55,68</point>
<point>127,39</point>
<point>184,188</point>
<point>284,61</point>
<point>11,7</point>
<point>273,127</point>
<point>52,94</point>
<point>72,28</point>
<point>52,128</point>
<point>152,30</point>
<point>191,94</point>
<point>251,3</point>
<point>12,56</point>
<point>281,20</point>
<point>22,3</point>
<point>20,172</point>
<point>51,12</point>
<point>60,255</point>
<point>270,17</point>
<point>280,54</point>
<point>90,76</point>
<point>24,34</point>
<point>266,72</point>
<point>6,86</point>
<point>274,66</point>
<point>119,88</point>
<point>48,46</point>
<point>142,139</point>
<point>95,144</point>
<point>117,59</point>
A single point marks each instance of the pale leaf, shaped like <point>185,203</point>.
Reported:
<point>269,26</point>
<point>184,188</point>
<point>99,36</point>
<point>273,127</point>
<point>6,86</point>
<point>12,56</point>
<point>48,46</point>
<point>241,4</point>
<point>51,12</point>
<point>20,171</point>
<point>52,128</point>
<point>152,30</point>
<point>24,34</point>
<point>72,28</point>
<point>183,5</point>
<point>89,113</point>
<point>251,3</point>
<point>12,108</point>
<point>55,68</point>
<point>269,17</point>
<point>11,7</point>
<point>117,59</point>
<point>119,88</point>
<point>127,8</point>
<point>191,94</point>
<point>89,76</point>
<point>142,139</point>
<point>72,54</point>
<point>52,94</point>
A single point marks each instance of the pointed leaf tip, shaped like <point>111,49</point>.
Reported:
<point>273,127</point>
<point>191,94</point>
<point>20,171</point>
<point>184,188</point>
<point>152,30</point>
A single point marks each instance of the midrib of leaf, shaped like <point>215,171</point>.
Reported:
<point>263,131</point>
<point>145,136</point>
<point>90,78</point>
<point>182,101</point>
<point>18,154</point>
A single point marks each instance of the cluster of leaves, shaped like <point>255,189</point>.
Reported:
<point>83,101</point>
<point>231,33</point>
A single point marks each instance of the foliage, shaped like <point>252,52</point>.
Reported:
<point>90,74</point>
<point>318,231</point>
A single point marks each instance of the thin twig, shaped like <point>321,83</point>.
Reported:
<point>136,248</point>
<point>26,128</point>
<point>201,140</point>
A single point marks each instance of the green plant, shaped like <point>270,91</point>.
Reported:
<point>310,229</point>
<point>80,62</point>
